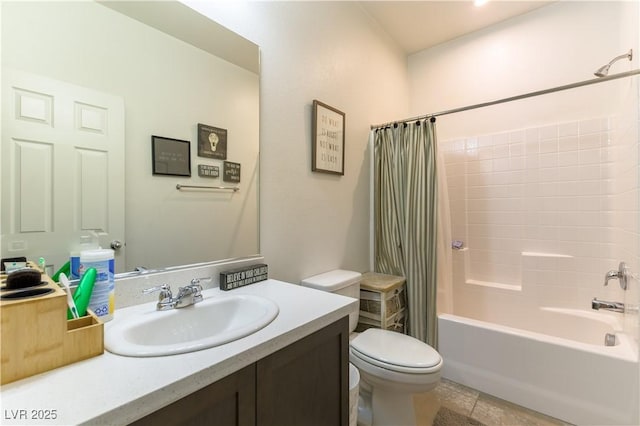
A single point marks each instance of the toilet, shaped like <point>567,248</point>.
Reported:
<point>392,366</point>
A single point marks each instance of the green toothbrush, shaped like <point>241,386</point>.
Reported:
<point>82,296</point>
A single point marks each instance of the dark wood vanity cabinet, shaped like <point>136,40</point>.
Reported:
<point>305,383</point>
<point>229,401</point>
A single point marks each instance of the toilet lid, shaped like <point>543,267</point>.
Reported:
<point>392,350</point>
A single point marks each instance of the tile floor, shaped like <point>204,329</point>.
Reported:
<point>478,406</point>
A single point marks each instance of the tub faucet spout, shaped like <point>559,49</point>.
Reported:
<point>607,306</point>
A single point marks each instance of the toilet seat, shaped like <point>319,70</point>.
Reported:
<point>396,352</point>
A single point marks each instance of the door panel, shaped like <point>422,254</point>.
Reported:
<point>62,167</point>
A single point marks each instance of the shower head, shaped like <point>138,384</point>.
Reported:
<point>604,70</point>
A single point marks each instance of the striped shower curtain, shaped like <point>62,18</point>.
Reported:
<point>405,193</point>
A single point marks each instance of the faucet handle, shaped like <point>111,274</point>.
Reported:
<point>621,274</point>
<point>188,295</point>
<point>197,280</point>
<point>609,276</point>
<point>165,291</point>
<point>165,298</point>
<point>195,288</point>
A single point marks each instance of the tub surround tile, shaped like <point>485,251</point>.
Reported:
<point>575,197</point>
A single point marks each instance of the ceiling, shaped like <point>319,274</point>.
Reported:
<point>418,25</point>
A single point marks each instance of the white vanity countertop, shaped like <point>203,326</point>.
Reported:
<point>113,389</point>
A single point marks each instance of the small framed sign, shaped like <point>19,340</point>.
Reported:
<point>212,142</point>
<point>205,170</point>
<point>328,139</point>
<point>243,276</point>
<point>170,156</point>
<point>230,172</point>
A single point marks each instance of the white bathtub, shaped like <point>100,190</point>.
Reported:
<point>552,360</point>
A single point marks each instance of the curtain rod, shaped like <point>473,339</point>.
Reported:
<point>515,98</point>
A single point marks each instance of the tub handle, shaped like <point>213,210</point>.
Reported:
<point>621,274</point>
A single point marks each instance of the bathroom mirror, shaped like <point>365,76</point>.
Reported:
<point>170,70</point>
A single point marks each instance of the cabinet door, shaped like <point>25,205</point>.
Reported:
<point>227,402</point>
<point>306,383</point>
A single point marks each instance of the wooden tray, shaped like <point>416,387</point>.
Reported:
<point>36,336</point>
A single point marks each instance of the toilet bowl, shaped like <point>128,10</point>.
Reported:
<point>392,366</point>
<point>395,367</point>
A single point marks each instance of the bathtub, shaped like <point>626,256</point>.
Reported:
<point>551,360</point>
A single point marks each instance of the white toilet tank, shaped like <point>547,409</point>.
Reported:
<point>339,281</point>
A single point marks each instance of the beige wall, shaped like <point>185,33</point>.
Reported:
<point>330,51</point>
<point>552,46</point>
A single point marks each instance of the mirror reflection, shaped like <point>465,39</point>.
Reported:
<point>84,89</point>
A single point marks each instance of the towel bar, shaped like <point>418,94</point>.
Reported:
<point>227,188</point>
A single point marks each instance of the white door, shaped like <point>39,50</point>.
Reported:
<point>62,168</point>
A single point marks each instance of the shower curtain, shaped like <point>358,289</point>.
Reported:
<point>405,217</point>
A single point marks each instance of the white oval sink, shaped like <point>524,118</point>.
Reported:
<point>212,322</point>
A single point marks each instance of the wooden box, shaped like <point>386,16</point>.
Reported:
<point>383,302</point>
<point>35,335</point>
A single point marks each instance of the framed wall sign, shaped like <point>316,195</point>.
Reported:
<point>212,142</point>
<point>206,170</point>
<point>327,153</point>
<point>230,172</point>
<point>170,156</point>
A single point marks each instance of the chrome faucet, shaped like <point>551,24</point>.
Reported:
<point>607,306</point>
<point>165,298</point>
<point>187,295</point>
